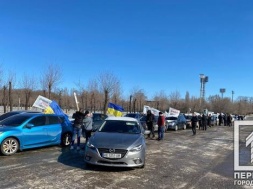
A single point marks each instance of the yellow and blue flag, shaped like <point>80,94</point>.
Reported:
<point>115,109</point>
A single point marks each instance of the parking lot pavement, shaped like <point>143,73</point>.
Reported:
<point>181,160</point>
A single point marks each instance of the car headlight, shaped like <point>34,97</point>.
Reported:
<point>89,145</point>
<point>136,149</point>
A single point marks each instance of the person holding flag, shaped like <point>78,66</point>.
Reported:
<point>77,130</point>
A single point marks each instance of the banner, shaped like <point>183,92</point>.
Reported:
<point>153,110</point>
<point>42,102</point>
<point>50,107</point>
<point>174,112</point>
<point>114,109</point>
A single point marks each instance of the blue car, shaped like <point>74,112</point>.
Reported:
<point>32,130</point>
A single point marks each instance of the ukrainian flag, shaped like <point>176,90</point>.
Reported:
<point>115,109</point>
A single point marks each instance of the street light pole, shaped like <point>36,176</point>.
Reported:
<point>222,90</point>
<point>203,81</point>
<point>130,102</point>
<point>233,92</point>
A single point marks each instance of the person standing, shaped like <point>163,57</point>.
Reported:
<point>194,121</point>
<point>204,120</point>
<point>149,121</point>
<point>77,128</point>
<point>161,126</point>
<point>225,118</point>
<point>200,121</point>
<point>229,120</point>
<point>220,119</point>
<point>87,124</point>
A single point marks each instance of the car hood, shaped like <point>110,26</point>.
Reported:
<point>169,121</point>
<point>115,140</point>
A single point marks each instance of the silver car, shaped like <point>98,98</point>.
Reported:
<point>119,142</point>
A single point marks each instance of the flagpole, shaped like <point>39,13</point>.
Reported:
<point>77,107</point>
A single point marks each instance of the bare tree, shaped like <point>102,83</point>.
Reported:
<point>4,100</point>
<point>11,84</point>
<point>107,84</point>
<point>161,101</point>
<point>94,94</point>
<point>51,78</point>
<point>174,99</point>
<point>28,84</point>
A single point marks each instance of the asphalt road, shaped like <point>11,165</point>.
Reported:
<point>181,160</point>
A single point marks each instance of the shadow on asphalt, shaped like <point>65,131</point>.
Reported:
<point>75,158</point>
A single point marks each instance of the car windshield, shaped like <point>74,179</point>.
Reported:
<point>15,121</point>
<point>3,116</point>
<point>117,126</point>
<point>171,118</point>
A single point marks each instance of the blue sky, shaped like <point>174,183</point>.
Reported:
<point>151,45</point>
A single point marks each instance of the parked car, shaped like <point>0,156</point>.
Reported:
<point>11,113</point>
<point>176,123</point>
<point>188,118</point>
<point>214,119</point>
<point>119,142</point>
<point>144,125</point>
<point>133,115</point>
<point>32,130</point>
<point>98,119</point>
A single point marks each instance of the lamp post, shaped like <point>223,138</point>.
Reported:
<point>222,90</point>
<point>203,81</point>
<point>130,103</point>
<point>233,92</point>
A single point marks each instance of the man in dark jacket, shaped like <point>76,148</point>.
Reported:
<point>204,121</point>
<point>220,119</point>
<point>77,128</point>
<point>194,121</point>
<point>149,121</point>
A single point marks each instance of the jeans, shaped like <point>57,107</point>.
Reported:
<point>161,132</point>
<point>76,133</point>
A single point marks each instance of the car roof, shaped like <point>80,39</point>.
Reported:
<point>121,118</point>
<point>28,111</point>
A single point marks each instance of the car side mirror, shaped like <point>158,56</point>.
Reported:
<point>29,125</point>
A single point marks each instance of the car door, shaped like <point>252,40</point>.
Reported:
<point>35,132</point>
<point>54,129</point>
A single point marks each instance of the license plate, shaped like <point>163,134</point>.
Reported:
<point>111,155</point>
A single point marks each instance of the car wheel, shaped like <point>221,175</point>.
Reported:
<point>184,127</point>
<point>9,146</point>
<point>66,139</point>
<point>176,128</point>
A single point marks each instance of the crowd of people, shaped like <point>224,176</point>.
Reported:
<point>203,121</point>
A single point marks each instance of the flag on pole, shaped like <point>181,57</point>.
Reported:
<point>115,110</point>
